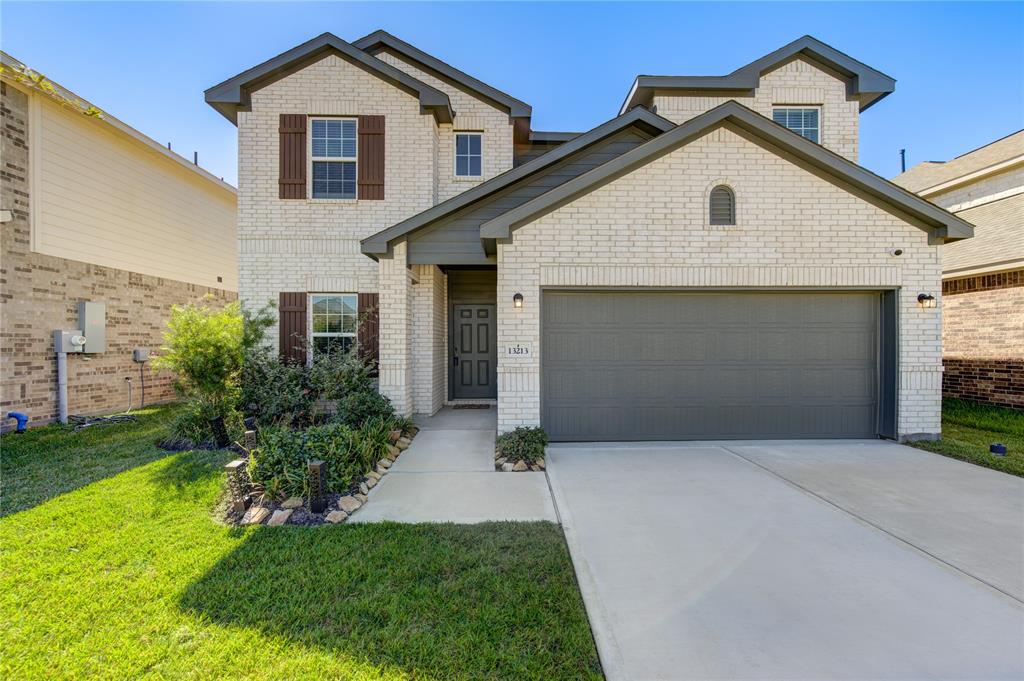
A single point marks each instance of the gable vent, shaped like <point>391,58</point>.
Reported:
<point>723,206</point>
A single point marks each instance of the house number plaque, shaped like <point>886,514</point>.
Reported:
<point>517,350</point>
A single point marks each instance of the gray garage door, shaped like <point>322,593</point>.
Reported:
<point>690,366</point>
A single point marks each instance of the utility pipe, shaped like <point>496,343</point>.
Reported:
<point>62,385</point>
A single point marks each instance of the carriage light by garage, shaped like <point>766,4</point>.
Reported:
<point>517,300</point>
<point>926,300</point>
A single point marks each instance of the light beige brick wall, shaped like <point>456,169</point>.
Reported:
<point>396,329</point>
<point>797,82</point>
<point>649,229</point>
<point>472,115</point>
<point>977,191</point>
<point>313,245</point>
<point>429,338</point>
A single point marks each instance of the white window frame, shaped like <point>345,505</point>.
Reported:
<point>313,160</point>
<point>313,335</point>
<point>802,107</point>
<point>455,154</point>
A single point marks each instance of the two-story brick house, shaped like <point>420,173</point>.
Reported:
<point>710,263</point>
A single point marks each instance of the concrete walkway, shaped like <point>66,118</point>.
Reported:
<point>810,560</point>
<point>447,475</point>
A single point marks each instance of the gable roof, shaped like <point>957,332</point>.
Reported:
<point>941,225</point>
<point>380,39</point>
<point>933,177</point>
<point>866,83</point>
<point>377,244</point>
<point>234,94</point>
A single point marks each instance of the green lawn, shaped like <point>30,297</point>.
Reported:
<point>969,428</point>
<point>114,568</point>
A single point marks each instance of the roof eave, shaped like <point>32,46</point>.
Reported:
<point>943,225</point>
<point>380,38</point>
<point>233,94</point>
<point>377,244</point>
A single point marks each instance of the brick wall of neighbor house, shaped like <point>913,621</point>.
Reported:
<point>40,293</point>
<point>471,114</point>
<point>983,338</point>
<point>794,83</point>
<point>649,228</point>
<point>310,244</point>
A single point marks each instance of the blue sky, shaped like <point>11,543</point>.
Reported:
<point>958,66</point>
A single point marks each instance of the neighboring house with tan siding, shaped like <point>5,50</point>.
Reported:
<point>709,263</point>
<point>983,277</point>
<point>95,211</point>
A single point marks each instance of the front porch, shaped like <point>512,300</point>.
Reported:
<point>438,335</point>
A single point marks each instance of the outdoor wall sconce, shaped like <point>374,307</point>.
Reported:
<point>517,300</point>
<point>926,300</point>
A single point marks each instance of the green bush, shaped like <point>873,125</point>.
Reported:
<point>334,375</point>
<point>523,443</point>
<point>357,408</point>
<point>204,350</point>
<point>278,465</point>
<point>192,421</point>
<point>276,392</point>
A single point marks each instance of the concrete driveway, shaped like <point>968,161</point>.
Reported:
<point>795,560</point>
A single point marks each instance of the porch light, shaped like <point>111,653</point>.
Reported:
<point>517,300</point>
<point>926,300</point>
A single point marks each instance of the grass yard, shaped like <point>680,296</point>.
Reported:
<point>969,428</point>
<point>111,566</point>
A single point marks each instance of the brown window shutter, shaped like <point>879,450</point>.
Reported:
<point>292,151</point>
<point>369,327</point>
<point>371,157</point>
<point>292,327</point>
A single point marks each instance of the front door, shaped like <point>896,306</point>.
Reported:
<point>474,360</point>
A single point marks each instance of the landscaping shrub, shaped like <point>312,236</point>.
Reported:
<point>523,443</point>
<point>276,392</point>
<point>357,408</point>
<point>278,465</point>
<point>205,349</point>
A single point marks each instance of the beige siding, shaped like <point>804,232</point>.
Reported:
<point>797,82</point>
<point>105,198</point>
<point>648,229</point>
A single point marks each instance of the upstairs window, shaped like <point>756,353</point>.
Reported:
<point>722,206</point>
<point>803,122</point>
<point>334,158</point>
<point>468,154</point>
<point>334,322</point>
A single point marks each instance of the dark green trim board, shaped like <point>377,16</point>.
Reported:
<point>888,365</point>
<point>234,94</point>
<point>378,243</point>
<point>381,40</point>
<point>868,85</point>
<point>941,225</point>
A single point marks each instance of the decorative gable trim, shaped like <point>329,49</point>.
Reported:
<point>234,94</point>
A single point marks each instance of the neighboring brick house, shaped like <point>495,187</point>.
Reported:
<point>710,263</point>
<point>94,211</point>
<point>982,278</point>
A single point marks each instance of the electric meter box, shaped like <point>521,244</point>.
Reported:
<point>62,341</point>
<point>92,319</point>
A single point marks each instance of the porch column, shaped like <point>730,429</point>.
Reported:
<point>395,344</point>
<point>429,335</point>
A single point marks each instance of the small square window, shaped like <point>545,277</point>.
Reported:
<point>468,154</point>
<point>803,122</point>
